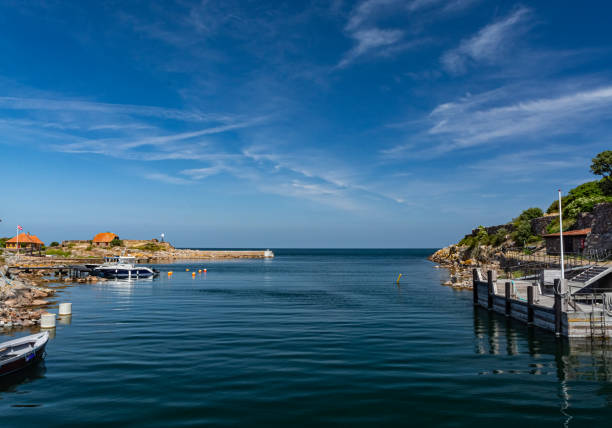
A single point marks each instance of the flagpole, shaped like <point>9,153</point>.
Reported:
<point>561,237</point>
<point>17,239</point>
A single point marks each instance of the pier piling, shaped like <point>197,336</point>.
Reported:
<point>475,285</point>
<point>530,290</point>
<point>508,296</point>
<point>490,289</point>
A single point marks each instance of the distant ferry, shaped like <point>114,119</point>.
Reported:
<point>123,267</point>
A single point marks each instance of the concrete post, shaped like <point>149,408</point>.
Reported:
<point>508,303</point>
<point>530,291</point>
<point>475,285</point>
<point>490,289</point>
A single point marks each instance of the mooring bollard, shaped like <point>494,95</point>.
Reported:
<point>47,320</point>
<point>65,308</point>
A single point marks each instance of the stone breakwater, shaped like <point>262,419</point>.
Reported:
<point>460,260</point>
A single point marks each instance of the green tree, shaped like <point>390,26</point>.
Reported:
<point>54,244</point>
<point>602,165</point>
<point>116,242</point>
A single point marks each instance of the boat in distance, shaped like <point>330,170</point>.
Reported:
<point>123,267</point>
<point>21,353</point>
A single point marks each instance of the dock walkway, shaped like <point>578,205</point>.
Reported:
<point>578,316</point>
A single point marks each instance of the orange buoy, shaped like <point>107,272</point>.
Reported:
<point>204,270</point>
<point>170,273</point>
<point>192,273</point>
<point>186,270</point>
<point>199,270</point>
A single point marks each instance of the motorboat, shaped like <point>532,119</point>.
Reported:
<point>123,267</point>
<point>20,353</point>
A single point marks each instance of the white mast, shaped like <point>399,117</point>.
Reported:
<point>561,238</point>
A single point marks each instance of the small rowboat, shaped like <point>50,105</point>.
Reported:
<point>23,352</point>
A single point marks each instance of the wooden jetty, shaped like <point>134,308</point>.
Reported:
<point>60,271</point>
<point>578,308</point>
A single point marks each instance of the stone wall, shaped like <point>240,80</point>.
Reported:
<point>600,237</point>
<point>539,225</point>
<point>492,230</point>
<point>584,221</point>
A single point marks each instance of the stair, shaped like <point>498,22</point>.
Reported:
<point>591,274</point>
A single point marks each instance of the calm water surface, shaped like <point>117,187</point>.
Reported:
<point>312,337</point>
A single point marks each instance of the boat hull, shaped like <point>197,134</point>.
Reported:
<point>23,362</point>
<point>124,273</point>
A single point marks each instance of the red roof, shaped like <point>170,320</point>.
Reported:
<point>580,232</point>
<point>26,238</point>
<point>104,237</point>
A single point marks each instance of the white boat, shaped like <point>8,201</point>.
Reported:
<point>123,267</point>
<point>23,352</point>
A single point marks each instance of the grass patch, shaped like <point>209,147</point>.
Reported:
<point>57,252</point>
<point>150,246</point>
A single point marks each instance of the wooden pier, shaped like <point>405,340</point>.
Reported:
<point>573,316</point>
<point>59,271</point>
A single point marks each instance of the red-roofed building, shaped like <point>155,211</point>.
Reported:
<point>25,241</point>
<point>104,239</point>
<point>574,241</point>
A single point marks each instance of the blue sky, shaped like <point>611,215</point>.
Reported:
<point>377,123</point>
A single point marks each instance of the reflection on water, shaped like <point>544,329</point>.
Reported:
<point>10,383</point>
<point>576,359</point>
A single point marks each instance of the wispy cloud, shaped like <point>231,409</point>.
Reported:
<point>489,45</point>
<point>165,178</point>
<point>369,37</point>
<point>506,114</point>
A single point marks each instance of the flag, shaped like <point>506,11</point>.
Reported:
<point>19,227</point>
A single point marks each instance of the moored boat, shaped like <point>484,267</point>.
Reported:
<point>123,267</point>
<point>20,353</point>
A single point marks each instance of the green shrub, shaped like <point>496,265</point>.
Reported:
<point>150,246</point>
<point>116,242</point>
<point>583,204</point>
<point>529,214</point>
<point>580,197</point>
<point>553,226</point>
<point>3,242</point>
<point>522,232</point>
<point>57,252</point>
<point>54,244</point>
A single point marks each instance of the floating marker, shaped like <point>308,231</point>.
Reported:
<point>204,270</point>
<point>199,270</point>
<point>192,273</point>
<point>170,273</point>
<point>398,278</point>
<point>186,270</point>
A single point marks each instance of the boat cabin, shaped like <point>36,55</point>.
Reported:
<point>123,260</point>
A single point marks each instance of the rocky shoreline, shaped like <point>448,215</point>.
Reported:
<point>460,260</point>
<point>22,299</point>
